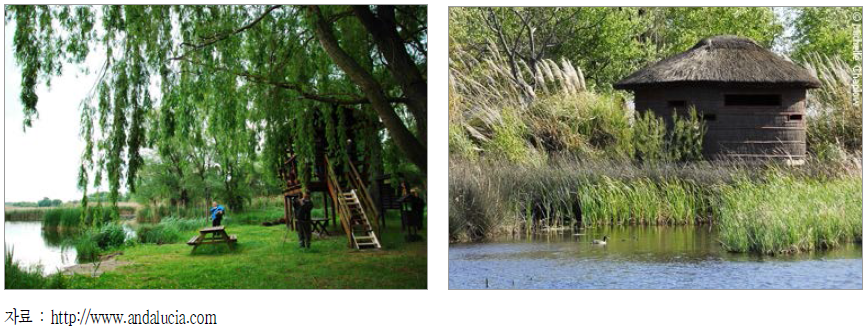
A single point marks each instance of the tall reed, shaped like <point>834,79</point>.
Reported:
<point>834,109</point>
<point>784,215</point>
<point>488,198</point>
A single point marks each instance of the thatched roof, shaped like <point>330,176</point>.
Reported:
<point>725,61</point>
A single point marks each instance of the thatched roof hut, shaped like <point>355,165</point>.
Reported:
<point>752,99</point>
<point>722,60</point>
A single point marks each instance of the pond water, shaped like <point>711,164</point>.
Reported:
<point>34,246</point>
<point>644,258</point>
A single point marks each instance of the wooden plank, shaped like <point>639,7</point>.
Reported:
<point>193,240</point>
<point>211,229</point>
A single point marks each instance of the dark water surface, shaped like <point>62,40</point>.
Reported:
<point>644,258</point>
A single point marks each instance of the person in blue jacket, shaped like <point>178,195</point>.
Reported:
<point>216,214</point>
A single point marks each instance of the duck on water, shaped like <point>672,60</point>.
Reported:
<point>601,242</point>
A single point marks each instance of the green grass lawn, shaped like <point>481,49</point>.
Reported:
<point>263,261</point>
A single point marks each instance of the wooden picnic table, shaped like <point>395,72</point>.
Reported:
<point>320,225</point>
<point>210,235</point>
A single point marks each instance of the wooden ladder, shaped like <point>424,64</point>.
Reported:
<point>362,233</point>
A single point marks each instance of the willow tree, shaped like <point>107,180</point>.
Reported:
<point>244,77</point>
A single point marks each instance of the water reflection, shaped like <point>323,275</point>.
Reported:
<point>34,247</point>
<point>55,238</point>
<point>643,258</point>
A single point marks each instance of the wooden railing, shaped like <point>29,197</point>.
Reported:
<point>335,191</point>
<point>364,197</point>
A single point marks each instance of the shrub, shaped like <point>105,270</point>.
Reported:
<point>109,236</point>
<point>649,132</point>
<point>684,140</point>
<point>90,243</point>
<point>86,248</point>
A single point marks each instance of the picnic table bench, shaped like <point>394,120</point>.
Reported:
<point>217,235</point>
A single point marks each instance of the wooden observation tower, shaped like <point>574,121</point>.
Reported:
<point>343,188</point>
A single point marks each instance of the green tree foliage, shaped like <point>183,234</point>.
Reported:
<point>606,43</point>
<point>45,202</point>
<point>218,87</point>
<point>828,31</point>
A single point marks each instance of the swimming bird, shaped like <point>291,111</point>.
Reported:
<point>601,242</point>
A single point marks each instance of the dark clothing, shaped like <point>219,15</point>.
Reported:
<point>302,212</point>
<point>304,229</point>
<point>413,208</point>
<point>216,222</point>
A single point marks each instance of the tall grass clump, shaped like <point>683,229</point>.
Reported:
<point>75,218</point>
<point>834,109</point>
<point>169,230</point>
<point>16,277</point>
<point>476,209</point>
<point>493,111</point>
<point>95,240</point>
<point>62,217</point>
<point>786,215</point>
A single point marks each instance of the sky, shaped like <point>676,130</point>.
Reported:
<point>43,162</point>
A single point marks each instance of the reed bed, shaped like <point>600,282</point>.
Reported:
<point>786,215</point>
<point>72,218</point>
<point>489,198</point>
<point>23,214</point>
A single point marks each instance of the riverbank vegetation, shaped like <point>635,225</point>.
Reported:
<point>265,257</point>
<point>539,141</point>
<point>16,277</point>
<point>788,214</point>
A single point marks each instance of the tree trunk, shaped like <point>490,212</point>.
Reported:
<point>416,151</point>
<point>385,33</point>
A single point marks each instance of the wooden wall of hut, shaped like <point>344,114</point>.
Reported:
<point>742,122</point>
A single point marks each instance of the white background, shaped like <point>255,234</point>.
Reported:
<point>438,307</point>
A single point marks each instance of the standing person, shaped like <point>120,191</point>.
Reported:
<point>303,206</point>
<point>216,213</point>
<point>412,209</point>
<point>417,208</point>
